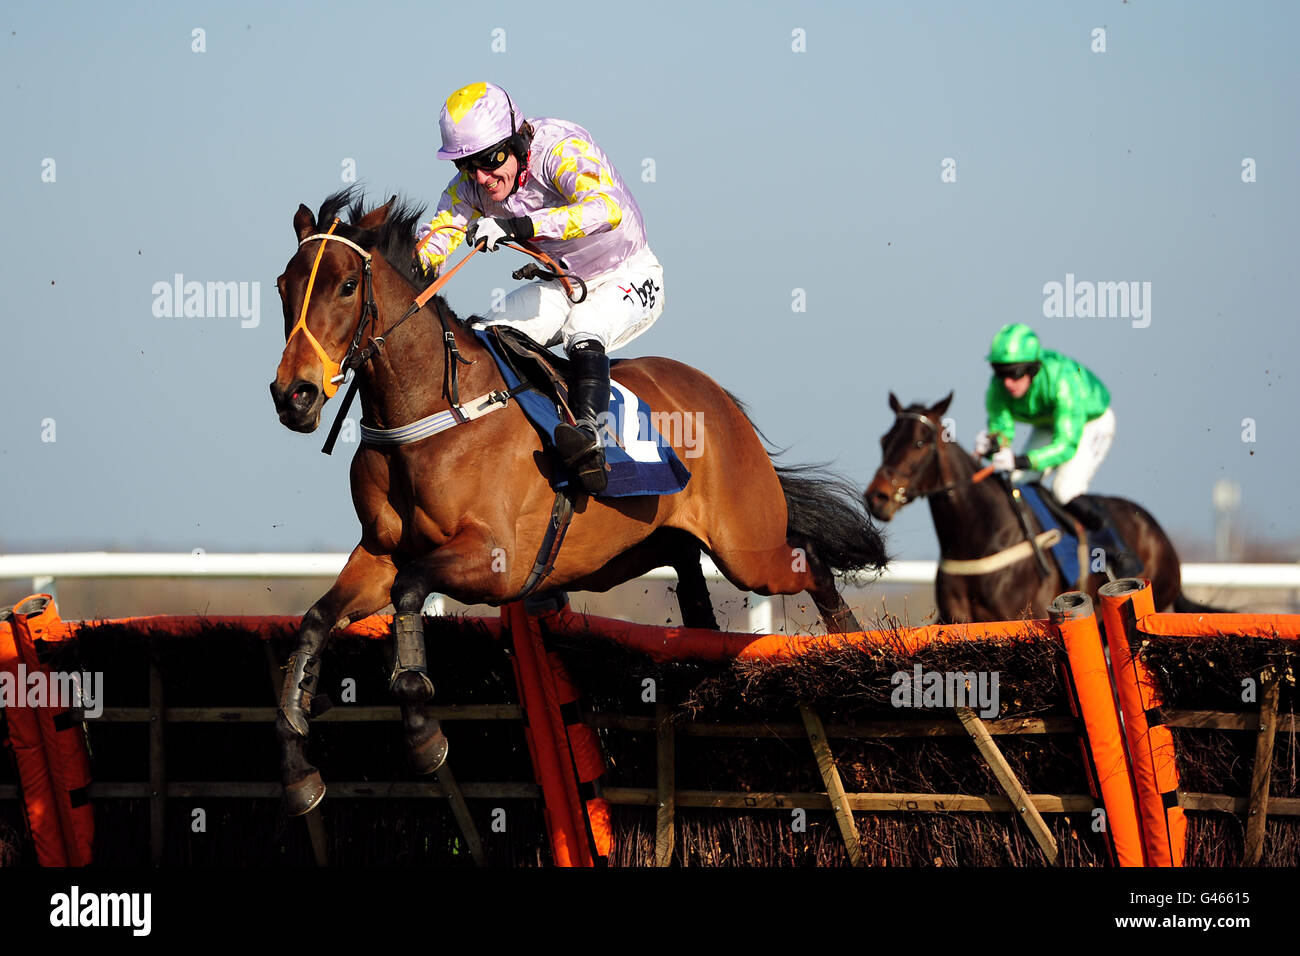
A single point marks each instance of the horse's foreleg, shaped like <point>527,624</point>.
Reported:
<point>409,681</point>
<point>361,589</point>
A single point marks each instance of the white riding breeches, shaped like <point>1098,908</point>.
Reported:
<point>1073,477</point>
<point>620,305</point>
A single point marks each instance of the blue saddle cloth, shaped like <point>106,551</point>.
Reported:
<point>1066,551</point>
<point>645,464</point>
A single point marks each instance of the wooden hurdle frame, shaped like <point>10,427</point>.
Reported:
<point>1132,775</point>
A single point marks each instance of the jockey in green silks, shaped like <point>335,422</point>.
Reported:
<point>1073,424</point>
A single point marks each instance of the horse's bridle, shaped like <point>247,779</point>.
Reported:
<point>356,356</point>
<point>901,495</point>
<point>335,371</point>
<point>562,509</point>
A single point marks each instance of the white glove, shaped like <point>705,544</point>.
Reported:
<point>486,231</point>
<point>1004,459</point>
<point>984,443</point>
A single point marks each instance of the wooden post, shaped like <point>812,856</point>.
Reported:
<point>460,810</point>
<point>1257,819</point>
<point>834,786</point>
<point>1010,785</point>
<point>666,791</point>
<point>157,766</point>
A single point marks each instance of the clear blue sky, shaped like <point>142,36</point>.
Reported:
<point>775,170</point>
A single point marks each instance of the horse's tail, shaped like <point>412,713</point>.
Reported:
<point>826,511</point>
<point>1185,605</point>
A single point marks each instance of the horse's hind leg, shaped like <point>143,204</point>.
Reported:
<point>788,570</point>
<point>692,589</point>
<point>361,589</point>
<point>836,615</point>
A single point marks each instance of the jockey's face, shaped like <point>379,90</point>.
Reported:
<point>1016,387</point>
<point>498,183</point>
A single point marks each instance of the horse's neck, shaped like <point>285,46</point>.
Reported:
<point>406,380</point>
<point>969,516</point>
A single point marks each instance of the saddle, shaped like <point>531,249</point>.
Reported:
<point>640,461</point>
<point>1073,551</point>
<point>534,364</point>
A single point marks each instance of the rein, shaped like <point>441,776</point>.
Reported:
<point>1032,546</point>
<point>356,356</point>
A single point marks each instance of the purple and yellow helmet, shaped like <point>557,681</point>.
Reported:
<point>475,118</point>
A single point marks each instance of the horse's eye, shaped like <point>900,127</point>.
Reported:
<point>349,287</point>
<point>919,443</point>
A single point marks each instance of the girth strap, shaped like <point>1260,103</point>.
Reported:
<point>561,516</point>
<point>440,421</point>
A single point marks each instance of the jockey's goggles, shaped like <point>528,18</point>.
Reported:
<point>488,160</point>
<point>1015,371</point>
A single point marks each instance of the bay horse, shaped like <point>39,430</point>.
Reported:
<point>464,512</point>
<point>976,519</point>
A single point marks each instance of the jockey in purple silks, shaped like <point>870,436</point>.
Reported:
<point>545,181</point>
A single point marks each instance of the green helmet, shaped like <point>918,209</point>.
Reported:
<point>1014,344</point>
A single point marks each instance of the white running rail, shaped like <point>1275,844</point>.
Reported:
<point>103,564</point>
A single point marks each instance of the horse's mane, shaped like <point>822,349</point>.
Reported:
<point>394,240</point>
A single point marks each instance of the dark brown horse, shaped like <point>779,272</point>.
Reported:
<point>464,512</point>
<point>975,519</point>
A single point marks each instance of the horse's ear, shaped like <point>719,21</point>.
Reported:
<point>304,223</point>
<point>942,406</point>
<point>895,404</point>
<point>377,217</point>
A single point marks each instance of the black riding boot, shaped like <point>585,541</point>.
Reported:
<point>579,447</point>
<point>1094,515</point>
<point>1090,512</point>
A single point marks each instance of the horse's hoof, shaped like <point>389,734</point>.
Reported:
<point>429,755</point>
<point>303,795</point>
